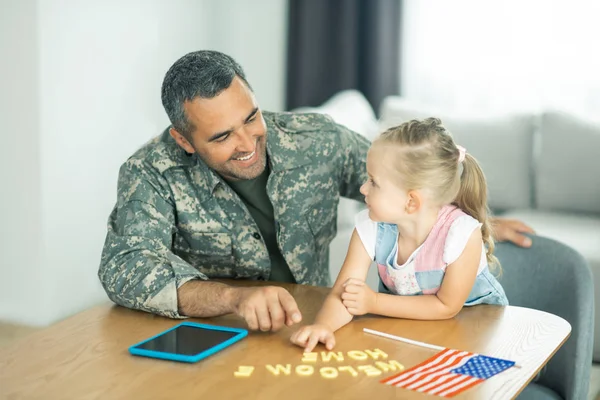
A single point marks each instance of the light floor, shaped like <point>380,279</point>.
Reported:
<point>10,332</point>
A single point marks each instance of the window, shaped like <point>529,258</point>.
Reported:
<point>471,56</point>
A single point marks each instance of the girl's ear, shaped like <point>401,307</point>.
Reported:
<point>413,202</point>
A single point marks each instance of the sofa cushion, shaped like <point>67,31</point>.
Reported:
<point>582,233</point>
<point>351,109</point>
<point>568,170</point>
<point>502,144</point>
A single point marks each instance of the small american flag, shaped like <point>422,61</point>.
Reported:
<point>449,373</point>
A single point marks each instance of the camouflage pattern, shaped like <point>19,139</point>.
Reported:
<point>176,220</point>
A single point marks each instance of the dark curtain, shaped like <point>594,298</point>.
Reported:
<point>342,44</point>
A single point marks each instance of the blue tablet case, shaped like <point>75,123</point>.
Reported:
<point>241,333</point>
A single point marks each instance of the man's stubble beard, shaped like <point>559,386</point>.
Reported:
<point>228,171</point>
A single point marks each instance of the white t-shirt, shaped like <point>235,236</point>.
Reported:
<point>456,241</point>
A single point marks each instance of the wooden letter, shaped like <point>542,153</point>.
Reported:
<point>310,357</point>
<point>391,366</point>
<point>357,355</point>
<point>329,372</point>
<point>376,353</point>
<point>243,371</point>
<point>349,369</point>
<point>328,355</point>
<point>369,370</point>
<point>305,370</point>
<point>279,368</point>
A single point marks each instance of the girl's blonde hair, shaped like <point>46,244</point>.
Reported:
<point>426,157</point>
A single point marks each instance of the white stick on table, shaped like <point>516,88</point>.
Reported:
<point>401,339</point>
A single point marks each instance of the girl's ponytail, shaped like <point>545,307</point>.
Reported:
<point>472,199</point>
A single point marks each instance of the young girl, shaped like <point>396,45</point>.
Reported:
<point>427,229</point>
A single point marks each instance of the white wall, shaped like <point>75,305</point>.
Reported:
<point>255,34</point>
<point>21,276</point>
<point>94,72</point>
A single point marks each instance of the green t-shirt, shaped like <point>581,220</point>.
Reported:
<point>254,195</point>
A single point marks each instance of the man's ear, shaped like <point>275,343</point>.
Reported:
<point>182,141</point>
<point>414,202</point>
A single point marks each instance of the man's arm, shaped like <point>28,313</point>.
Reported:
<point>138,269</point>
<point>353,152</point>
<point>265,308</point>
<point>206,299</point>
<point>511,230</point>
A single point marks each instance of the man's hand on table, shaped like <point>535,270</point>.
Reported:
<point>262,307</point>
<point>266,308</point>
<point>511,230</point>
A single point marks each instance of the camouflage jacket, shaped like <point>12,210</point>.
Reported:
<point>176,220</point>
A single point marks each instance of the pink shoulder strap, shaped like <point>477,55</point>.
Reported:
<point>430,257</point>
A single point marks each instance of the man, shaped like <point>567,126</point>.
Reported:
<point>229,191</point>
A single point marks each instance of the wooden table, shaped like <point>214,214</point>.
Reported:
<point>86,357</point>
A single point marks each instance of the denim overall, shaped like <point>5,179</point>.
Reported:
<point>425,275</point>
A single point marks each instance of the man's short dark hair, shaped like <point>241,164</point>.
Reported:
<point>204,74</point>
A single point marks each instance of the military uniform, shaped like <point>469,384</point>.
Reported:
<point>177,220</point>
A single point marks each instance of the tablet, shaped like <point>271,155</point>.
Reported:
<point>188,342</point>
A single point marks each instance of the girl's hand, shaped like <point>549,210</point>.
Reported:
<point>308,337</point>
<point>358,298</point>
